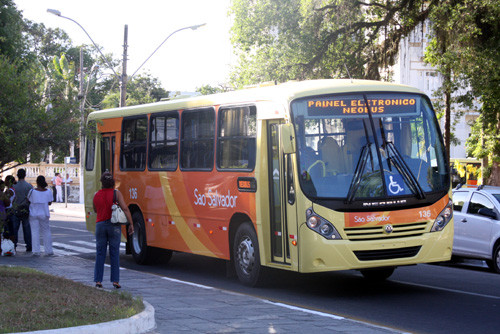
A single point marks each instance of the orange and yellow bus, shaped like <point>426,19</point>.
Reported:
<point>306,176</point>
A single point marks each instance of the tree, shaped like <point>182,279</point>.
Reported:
<point>143,88</point>
<point>280,40</point>
<point>12,43</point>
<point>26,127</point>
<point>208,89</point>
<point>30,121</point>
<point>464,48</point>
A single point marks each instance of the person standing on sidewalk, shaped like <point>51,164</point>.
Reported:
<point>67,182</point>
<point>59,193</point>
<point>107,233</point>
<point>54,189</point>
<point>10,196</point>
<point>40,199</point>
<point>21,207</point>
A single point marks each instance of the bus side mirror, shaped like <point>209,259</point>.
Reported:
<point>287,137</point>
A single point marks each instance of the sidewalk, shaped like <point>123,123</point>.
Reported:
<point>183,307</point>
<point>69,209</point>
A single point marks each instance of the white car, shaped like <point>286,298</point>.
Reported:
<point>477,224</point>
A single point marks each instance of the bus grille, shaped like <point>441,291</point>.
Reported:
<point>387,254</point>
<point>377,232</point>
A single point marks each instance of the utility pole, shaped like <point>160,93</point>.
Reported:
<point>82,125</point>
<point>123,83</point>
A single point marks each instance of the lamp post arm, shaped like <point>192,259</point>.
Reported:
<point>159,46</point>
<point>56,12</point>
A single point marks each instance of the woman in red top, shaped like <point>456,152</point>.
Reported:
<point>108,233</point>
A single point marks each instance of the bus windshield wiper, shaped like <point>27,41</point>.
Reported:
<point>358,173</point>
<point>395,158</point>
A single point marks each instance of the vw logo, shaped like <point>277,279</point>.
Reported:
<point>388,228</point>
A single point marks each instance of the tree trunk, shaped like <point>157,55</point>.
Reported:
<point>447,119</point>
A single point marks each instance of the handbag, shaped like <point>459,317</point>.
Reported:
<point>117,215</point>
<point>8,248</point>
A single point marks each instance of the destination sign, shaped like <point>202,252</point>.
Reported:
<point>345,106</point>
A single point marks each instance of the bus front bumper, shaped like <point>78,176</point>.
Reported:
<point>318,254</point>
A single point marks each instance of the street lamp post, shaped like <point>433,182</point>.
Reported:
<point>123,78</point>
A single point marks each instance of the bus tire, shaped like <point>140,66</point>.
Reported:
<point>377,274</point>
<point>247,256</point>
<point>140,250</point>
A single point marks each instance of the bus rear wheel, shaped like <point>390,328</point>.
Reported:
<point>140,249</point>
<point>377,274</point>
<point>246,255</point>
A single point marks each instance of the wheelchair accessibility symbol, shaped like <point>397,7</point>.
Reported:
<point>394,186</point>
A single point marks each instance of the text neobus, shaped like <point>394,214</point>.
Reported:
<point>215,199</point>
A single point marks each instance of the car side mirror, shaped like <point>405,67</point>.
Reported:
<point>488,213</point>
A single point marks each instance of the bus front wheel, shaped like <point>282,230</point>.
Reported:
<point>377,274</point>
<point>140,249</point>
<point>246,255</point>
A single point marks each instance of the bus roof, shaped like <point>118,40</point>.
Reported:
<point>280,93</point>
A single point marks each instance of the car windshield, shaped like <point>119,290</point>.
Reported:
<point>359,146</point>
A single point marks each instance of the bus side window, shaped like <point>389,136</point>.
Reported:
<point>197,139</point>
<point>236,138</point>
<point>133,148</point>
<point>163,141</point>
<point>90,154</point>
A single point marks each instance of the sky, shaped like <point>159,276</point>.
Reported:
<point>187,60</point>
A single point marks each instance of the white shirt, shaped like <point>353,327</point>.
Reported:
<point>39,202</point>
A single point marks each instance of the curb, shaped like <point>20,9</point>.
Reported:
<point>139,323</point>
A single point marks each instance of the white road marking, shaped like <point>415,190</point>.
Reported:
<point>449,290</point>
<point>70,228</point>
<point>59,252</point>
<point>74,248</point>
<point>188,283</point>
<point>92,244</point>
<point>295,308</point>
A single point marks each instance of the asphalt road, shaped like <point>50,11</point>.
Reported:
<point>419,299</point>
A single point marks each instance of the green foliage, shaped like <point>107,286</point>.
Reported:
<point>208,89</point>
<point>36,107</point>
<point>143,88</point>
<point>12,43</point>
<point>465,44</point>
<point>25,125</point>
<point>280,40</point>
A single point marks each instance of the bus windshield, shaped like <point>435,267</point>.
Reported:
<point>368,146</point>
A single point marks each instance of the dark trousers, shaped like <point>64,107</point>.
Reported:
<point>54,192</point>
<point>24,220</point>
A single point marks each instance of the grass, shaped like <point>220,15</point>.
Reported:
<point>32,300</point>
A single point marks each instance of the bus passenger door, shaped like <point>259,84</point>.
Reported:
<point>108,152</point>
<point>282,208</point>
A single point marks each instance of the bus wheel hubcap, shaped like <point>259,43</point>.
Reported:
<point>137,241</point>
<point>246,255</point>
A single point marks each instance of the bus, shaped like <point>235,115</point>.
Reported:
<point>310,176</point>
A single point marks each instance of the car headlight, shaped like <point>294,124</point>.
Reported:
<point>321,226</point>
<point>443,218</point>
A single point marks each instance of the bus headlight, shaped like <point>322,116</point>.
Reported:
<point>321,226</point>
<point>443,218</point>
